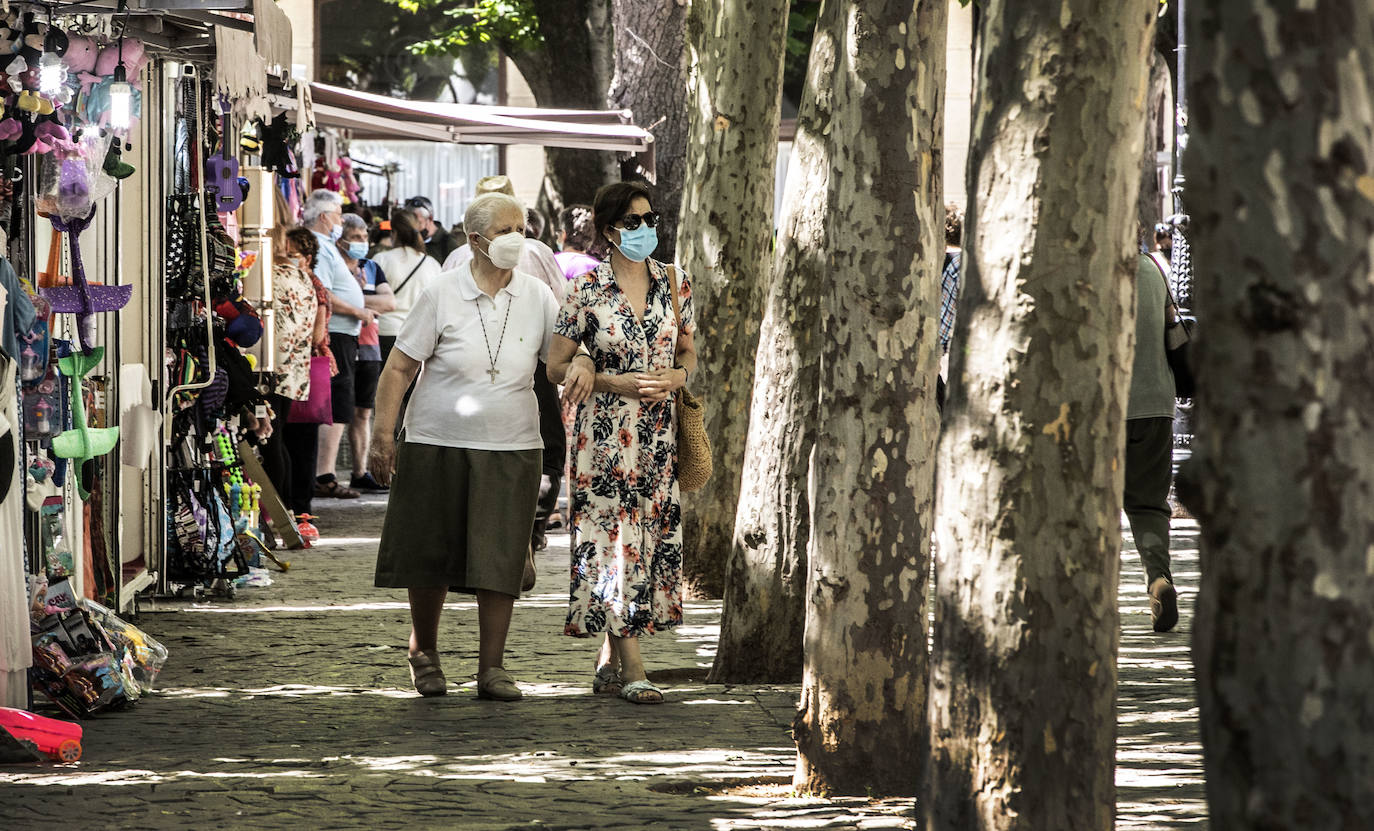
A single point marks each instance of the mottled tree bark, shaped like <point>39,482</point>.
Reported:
<point>1158,124</point>
<point>861,725</point>
<point>725,244</point>
<point>1023,678</point>
<point>651,80</point>
<point>764,610</point>
<point>570,69</point>
<point>1280,172</point>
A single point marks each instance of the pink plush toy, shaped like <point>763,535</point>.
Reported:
<point>81,54</point>
<point>109,57</point>
<point>352,190</point>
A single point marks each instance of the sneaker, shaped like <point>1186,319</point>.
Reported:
<point>1163,604</point>
<point>367,484</point>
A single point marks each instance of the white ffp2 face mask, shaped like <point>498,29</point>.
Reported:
<point>504,251</point>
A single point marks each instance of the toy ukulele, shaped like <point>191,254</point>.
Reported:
<point>222,172</point>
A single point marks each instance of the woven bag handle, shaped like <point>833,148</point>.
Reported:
<point>677,314</point>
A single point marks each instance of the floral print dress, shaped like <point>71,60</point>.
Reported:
<point>294,301</point>
<point>626,512</point>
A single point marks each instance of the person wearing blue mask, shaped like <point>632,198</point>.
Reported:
<point>622,346</point>
<point>377,296</point>
<point>323,215</point>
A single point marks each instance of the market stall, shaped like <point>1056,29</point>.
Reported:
<point>116,261</point>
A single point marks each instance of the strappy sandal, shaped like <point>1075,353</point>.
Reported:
<point>607,681</point>
<point>333,490</point>
<point>641,692</point>
<point>425,673</point>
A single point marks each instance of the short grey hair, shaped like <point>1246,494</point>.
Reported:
<point>319,203</point>
<point>482,211</point>
<point>353,221</point>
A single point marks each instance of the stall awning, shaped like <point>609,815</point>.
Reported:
<point>375,116</point>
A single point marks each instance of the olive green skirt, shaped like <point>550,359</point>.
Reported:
<point>459,518</point>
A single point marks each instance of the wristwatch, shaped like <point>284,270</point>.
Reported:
<point>687,375</point>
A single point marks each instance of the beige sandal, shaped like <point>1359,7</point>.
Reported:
<point>425,673</point>
<point>497,685</point>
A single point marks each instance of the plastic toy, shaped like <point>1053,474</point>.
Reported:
<point>222,173</point>
<point>81,298</point>
<point>60,740</point>
<point>83,443</point>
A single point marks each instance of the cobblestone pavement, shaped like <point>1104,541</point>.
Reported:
<point>291,706</point>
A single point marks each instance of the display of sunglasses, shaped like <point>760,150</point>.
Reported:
<point>631,221</point>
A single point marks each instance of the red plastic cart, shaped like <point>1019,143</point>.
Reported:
<point>60,740</point>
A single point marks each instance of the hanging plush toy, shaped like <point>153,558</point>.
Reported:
<point>10,26</point>
<point>276,151</point>
<point>352,191</point>
<point>325,179</point>
<point>80,62</point>
<point>129,51</point>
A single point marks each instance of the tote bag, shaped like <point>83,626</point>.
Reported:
<point>317,409</point>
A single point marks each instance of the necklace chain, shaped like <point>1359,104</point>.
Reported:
<point>493,372</point>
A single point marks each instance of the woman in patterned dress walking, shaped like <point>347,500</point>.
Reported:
<point>626,511</point>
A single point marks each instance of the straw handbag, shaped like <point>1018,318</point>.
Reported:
<point>693,445</point>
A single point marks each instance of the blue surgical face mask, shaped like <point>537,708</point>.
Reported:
<point>357,250</point>
<point>638,244</point>
<point>336,232</point>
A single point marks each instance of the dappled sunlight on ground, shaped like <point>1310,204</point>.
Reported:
<point>292,707</point>
<point>1159,756</point>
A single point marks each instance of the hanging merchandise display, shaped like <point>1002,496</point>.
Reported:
<point>214,538</point>
<point>126,396</point>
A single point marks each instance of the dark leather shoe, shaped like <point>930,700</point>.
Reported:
<point>1163,604</point>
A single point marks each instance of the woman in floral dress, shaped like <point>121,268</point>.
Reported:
<point>626,512</point>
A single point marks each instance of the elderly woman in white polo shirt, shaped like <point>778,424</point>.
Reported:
<point>466,471</point>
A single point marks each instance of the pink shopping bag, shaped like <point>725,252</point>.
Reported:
<point>318,408</point>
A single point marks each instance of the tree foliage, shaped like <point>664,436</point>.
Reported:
<point>379,57</point>
<point>508,22</point>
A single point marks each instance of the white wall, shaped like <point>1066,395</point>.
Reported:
<point>446,173</point>
<point>524,162</point>
<point>958,99</point>
<point>301,13</point>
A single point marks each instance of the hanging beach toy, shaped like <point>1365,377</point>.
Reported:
<point>83,444</point>
<point>82,298</point>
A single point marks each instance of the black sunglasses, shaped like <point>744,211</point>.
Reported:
<point>631,221</point>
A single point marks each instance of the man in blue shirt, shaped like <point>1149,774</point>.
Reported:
<point>323,215</point>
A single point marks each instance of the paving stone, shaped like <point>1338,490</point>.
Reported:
<point>292,707</point>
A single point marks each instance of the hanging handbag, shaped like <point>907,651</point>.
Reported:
<point>693,445</point>
<point>1177,337</point>
<point>318,408</point>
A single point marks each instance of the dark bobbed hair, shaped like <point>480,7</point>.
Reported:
<point>405,230</point>
<point>306,243</point>
<point>612,202</point>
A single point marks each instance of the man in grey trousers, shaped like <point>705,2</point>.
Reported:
<point>1150,442</point>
